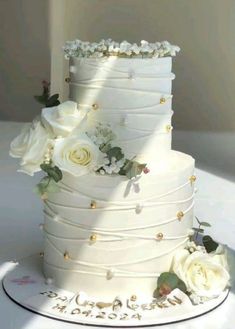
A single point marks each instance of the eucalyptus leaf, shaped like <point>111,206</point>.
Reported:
<point>205,224</point>
<point>41,187</point>
<point>53,172</point>
<point>115,152</point>
<point>209,243</point>
<point>52,187</point>
<point>42,99</point>
<point>167,282</point>
<point>198,229</point>
<point>53,101</point>
<point>105,148</point>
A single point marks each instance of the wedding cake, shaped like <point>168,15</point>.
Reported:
<point>118,201</point>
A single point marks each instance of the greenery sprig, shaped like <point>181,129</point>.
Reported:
<point>199,229</point>
<point>130,168</point>
<point>45,98</point>
<point>48,184</point>
<point>167,282</point>
<point>209,244</point>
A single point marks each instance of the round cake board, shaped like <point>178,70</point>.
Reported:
<point>26,285</point>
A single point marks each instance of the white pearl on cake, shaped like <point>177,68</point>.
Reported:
<point>110,274</point>
<point>131,75</point>
<point>72,69</point>
<point>49,281</point>
<point>41,226</point>
<point>138,208</point>
<point>123,121</point>
<point>191,232</point>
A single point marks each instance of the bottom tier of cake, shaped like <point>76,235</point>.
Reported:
<point>109,236</point>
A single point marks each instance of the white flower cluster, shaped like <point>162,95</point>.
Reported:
<point>104,48</point>
<point>102,135</point>
<point>198,299</point>
<point>192,247</point>
<point>112,167</point>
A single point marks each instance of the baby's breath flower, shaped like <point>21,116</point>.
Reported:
<point>104,48</point>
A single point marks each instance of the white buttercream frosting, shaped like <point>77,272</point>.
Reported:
<point>105,234</point>
<point>62,119</point>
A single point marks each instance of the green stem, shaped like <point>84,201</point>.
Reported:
<point>197,232</point>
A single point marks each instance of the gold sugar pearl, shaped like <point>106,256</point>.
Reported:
<point>93,238</point>
<point>192,179</point>
<point>180,215</point>
<point>159,236</point>
<point>66,255</point>
<point>67,80</point>
<point>168,128</point>
<point>133,298</point>
<point>95,106</point>
<point>93,204</point>
<point>41,254</point>
<point>162,100</point>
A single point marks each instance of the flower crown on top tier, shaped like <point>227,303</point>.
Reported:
<point>106,48</point>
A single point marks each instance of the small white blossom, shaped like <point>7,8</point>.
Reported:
<point>192,247</point>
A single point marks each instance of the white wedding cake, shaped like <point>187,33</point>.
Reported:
<point>118,200</point>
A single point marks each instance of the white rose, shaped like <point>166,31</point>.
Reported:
<point>77,155</point>
<point>204,274</point>
<point>30,146</point>
<point>62,119</point>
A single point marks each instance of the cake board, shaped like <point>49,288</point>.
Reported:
<point>26,286</point>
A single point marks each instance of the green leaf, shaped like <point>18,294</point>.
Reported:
<point>45,166</point>
<point>42,99</point>
<point>115,152</point>
<point>52,187</point>
<point>135,169</point>
<point>41,187</point>
<point>205,224</point>
<point>199,230</point>
<point>53,172</point>
<point>167,282</point>
<point>209,243</point>
<point>105,148</point>
<point>53,101</point>
<point>46,185</point>
<point>198,220</point>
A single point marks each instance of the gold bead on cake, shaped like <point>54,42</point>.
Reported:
<point>66,255</point>
<point>159,236</point>
<point>95,106</point>
<point>93,204</point>
<point>67,80</point>
<point>192,179</point>
<point>168,128</point>
<point>180,215</point>
<point>162,100</point>
<point>133,298</point>
<point>93,238</point>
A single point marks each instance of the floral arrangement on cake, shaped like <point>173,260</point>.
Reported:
<point>200,269</point>
<point>59,141</point>
<point>106,48</point>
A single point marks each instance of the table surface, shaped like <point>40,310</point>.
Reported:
<point>20,236</point>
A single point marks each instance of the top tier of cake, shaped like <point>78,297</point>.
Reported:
<point>133,95</point>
